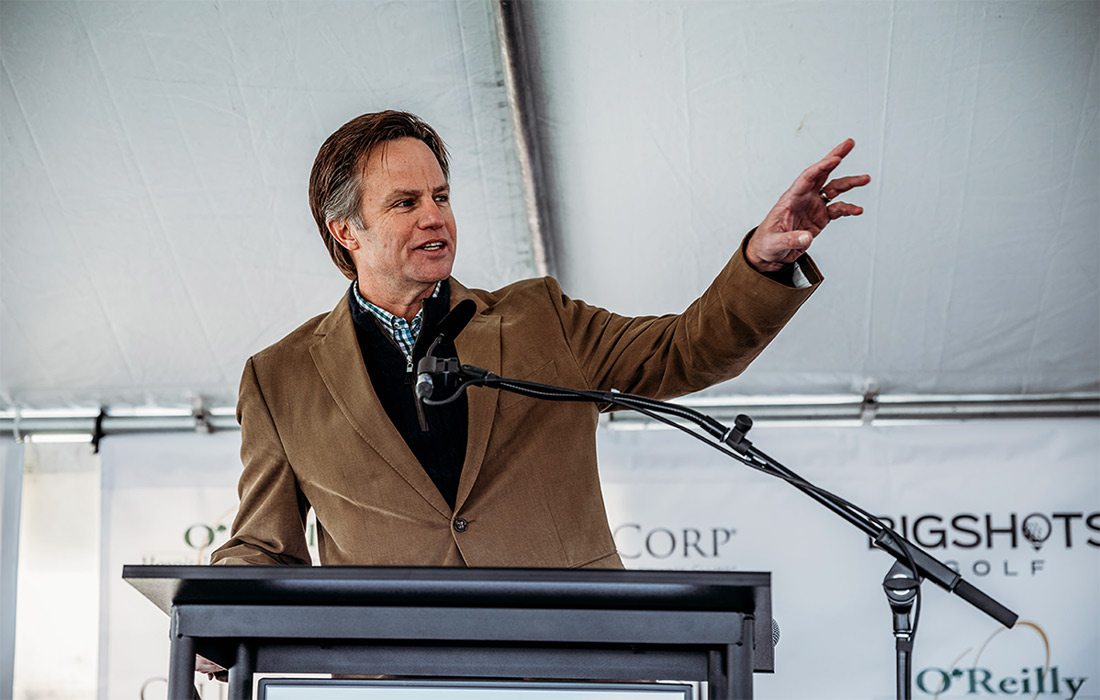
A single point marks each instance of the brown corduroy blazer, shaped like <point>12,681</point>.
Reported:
<point>314,434</point>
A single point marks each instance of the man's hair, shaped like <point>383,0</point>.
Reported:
<point>334,184</point>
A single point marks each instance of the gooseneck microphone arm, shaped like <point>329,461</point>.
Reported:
<point>901,590</point>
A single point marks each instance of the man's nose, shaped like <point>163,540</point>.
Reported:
<point>431,216</point>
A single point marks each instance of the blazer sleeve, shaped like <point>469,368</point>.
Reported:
<point>270,524</point>
<point>713,340</point>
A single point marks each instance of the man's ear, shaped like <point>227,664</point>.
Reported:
<point>341,230</point>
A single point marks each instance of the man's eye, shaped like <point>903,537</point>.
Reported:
<point>443,198</point>
<point>404,203</point>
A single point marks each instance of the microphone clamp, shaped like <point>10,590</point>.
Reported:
<point>424,385</point>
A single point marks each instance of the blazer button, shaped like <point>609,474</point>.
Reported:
<point>461,524</point>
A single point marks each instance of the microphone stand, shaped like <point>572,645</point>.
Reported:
<point>902,582</point>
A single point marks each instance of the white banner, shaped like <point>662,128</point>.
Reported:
<point>167,499</point>
<point>57,595</point>
<point>1014,505</point>
<point>11,485</point>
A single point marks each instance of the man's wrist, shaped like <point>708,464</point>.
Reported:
<point>758,263</point>
<point>780,272</point>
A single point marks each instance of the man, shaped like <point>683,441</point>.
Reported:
<point>328,415</point>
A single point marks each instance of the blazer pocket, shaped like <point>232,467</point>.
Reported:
<point>546,373</point>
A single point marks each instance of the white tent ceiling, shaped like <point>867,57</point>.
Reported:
<point>154,228</point>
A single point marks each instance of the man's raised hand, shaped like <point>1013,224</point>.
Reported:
<point>803,211</point>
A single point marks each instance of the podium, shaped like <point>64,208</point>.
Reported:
<point>549,624</point>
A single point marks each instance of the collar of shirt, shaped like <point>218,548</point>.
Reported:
<point>403,332</point>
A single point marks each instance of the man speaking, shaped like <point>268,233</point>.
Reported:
<point>329,417</point>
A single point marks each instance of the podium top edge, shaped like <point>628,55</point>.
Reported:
<point>169,585</point>
<point>444,573</point>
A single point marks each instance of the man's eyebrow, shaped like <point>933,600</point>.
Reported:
<point>414,193</point>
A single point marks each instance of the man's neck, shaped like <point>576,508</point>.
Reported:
<point>405,304</point>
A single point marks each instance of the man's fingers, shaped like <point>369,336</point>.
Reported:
<point>843,148</point>
<point>204,665</point>
<point>839,209</point>
<point>839,186</point>
<point>812,177</point>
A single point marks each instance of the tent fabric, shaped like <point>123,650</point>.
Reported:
<point>673,127</point>
<point>154,228</point>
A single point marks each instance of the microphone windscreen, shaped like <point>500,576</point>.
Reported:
<point>456,319</point>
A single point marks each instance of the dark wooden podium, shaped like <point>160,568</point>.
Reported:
<point>462,623</point>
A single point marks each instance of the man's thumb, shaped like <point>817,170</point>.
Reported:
<point>799,239</point>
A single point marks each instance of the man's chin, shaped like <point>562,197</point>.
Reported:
<point>434,274</point>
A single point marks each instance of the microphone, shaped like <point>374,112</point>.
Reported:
<point>454,322</point>
<point>448,328</point>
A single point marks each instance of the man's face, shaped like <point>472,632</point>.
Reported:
<point>408,240</point>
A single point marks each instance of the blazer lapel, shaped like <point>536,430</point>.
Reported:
<point>477,345</point>
<point>336,353</point>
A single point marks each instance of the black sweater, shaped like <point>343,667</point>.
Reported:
<point>442,448</point>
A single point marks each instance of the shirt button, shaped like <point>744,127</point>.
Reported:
<point>461,524</point>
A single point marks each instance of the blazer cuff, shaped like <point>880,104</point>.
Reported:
<point>801,274</point>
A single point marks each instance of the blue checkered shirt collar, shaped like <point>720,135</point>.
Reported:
<point>403,332</point>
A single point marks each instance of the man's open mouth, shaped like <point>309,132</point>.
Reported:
<point>433,245</point>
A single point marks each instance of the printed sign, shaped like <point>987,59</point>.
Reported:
<point>1014,507</point>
